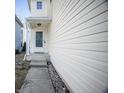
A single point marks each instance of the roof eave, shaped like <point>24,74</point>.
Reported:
<point>18,20</point>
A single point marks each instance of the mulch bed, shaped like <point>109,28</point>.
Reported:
<point>58,84</point>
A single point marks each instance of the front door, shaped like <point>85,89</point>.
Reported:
<point>37,42</point>
<point>39,39</point>
<point>39,46</point>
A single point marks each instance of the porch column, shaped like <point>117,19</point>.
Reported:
<point>27,40</point>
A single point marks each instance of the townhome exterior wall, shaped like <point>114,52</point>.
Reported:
<point>18,37</point>
<point>44,12</point>
<point>78,44</point>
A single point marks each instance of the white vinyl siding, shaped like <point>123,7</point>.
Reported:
<point>18,37</point>
<point>78,44</point>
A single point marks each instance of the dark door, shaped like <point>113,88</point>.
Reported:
<point>39,39</point>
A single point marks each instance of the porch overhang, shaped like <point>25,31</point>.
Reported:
<point>46,20</point>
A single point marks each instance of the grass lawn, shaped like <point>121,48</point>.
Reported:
<point>21,70</point>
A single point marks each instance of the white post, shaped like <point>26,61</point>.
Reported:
<point>27,40</point>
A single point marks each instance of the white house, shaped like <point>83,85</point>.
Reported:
<point>18,35</point>
<point>74,34</point>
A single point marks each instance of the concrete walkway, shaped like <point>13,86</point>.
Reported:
<point>37,79</point>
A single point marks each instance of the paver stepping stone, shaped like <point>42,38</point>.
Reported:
<point>37,73</point>
<point>38,64</point>
<point>37,81</point>
<point>37,86</point>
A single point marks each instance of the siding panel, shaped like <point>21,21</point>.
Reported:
<point>78,44</point>
<point>18,36</point>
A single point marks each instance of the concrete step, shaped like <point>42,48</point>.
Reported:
<point>38,57</point>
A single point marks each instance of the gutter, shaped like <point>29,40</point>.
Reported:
<point>18,20</point>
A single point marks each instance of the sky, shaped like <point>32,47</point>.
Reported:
<point>22,9</point>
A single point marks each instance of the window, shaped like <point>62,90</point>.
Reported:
<point>39,5</point>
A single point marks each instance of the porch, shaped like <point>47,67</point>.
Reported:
<point>37,35</point>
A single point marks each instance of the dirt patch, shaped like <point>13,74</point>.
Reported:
<point>21,70</point>
<point>58,84</point>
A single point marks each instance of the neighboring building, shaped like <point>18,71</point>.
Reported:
<point>18,35</point>
<point>74,33</point>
